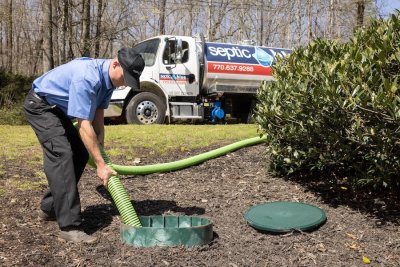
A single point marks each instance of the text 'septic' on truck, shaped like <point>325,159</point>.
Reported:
<point>186,78</point>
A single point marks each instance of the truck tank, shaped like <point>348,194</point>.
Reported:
<point>231,68</point>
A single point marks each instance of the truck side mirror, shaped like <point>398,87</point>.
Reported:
<point>191,78</point>
<point>178,50</point>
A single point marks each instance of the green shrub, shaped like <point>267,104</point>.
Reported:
<point>12,116</point>
<point>335,109</point>
<point>13,89</point>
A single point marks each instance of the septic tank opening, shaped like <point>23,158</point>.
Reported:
<point>168,230</point>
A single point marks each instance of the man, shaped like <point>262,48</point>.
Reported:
<point>81,90</point>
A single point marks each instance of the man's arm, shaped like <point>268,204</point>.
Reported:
<point>98,125</point>
<point>90,139</point>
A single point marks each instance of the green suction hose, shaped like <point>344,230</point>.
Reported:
<point>122,201</point>
<point>180,164</point>
<point>120,197</point>
<point>184,163</point>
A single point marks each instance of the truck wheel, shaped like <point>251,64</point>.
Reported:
<point>145,108</point>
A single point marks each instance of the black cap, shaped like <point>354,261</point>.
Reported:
<point>132,64</point>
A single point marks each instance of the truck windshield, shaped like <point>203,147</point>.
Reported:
<point>148,50</point>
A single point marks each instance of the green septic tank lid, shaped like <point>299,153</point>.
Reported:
<point>168,230</point>
<point>281,217</point>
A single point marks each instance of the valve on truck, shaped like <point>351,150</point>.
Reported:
<point>217,112</point>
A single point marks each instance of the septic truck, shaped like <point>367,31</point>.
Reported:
<point>188,79</point>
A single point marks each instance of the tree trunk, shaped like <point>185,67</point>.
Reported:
<point>64,32</point>
<point>288,28</point>
<point>17,48</point>
<point>191,9</point>
<point>299,18</point>
<point>309,20</point>
<point>70,54</point>
<point>98,28</point>
<point>10,38</point>
<point>268,10</point>
<point>332,19</point>
<point>209,30</point>
<point>360,13</point>
<point>86,29</point>
<point>261,35</point>
<point>48,61</point>
<point>1,45</point>
<point>56,32</point>
<point>163,4</point>
<point>38,52</point>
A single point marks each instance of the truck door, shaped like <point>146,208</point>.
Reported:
<point>179,68</point>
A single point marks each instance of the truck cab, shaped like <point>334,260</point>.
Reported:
<point>171,74</point>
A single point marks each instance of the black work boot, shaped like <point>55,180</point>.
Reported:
<point>76,234</point>
<point>43,216</point>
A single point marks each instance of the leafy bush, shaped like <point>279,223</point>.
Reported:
<point>13,89</point>
<point>335,108</point>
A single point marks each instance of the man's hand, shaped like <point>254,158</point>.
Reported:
<point>104,172</point>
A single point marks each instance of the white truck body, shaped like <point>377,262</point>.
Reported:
<point>186,78</point>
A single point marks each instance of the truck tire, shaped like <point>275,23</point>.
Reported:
<point>145,108</point>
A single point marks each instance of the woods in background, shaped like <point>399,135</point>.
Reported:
<point>37,35</point>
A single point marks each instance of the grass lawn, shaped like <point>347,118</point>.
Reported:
<point>19,142</point>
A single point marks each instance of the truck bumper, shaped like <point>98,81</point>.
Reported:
<point>114,109</point>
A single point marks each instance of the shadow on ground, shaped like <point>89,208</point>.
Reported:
<point>100,216</point>
<point>382,206</point>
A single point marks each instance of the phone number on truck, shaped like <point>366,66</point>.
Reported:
<point>215,67</point>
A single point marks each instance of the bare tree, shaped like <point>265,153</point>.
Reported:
<point>260,30</point>
<point>289,21</point>
<point>10,37</point>
<point>56,31</point>
<point>309,20</point>
<point>64,31</point>
<point>360,12</point>
<point>70,53</point>
<point>47,31</point>
<point>191,10</point>
<point>163,5</point>
<point>86,28</point>
<point>218,11</point>
<point>2,38</point>
<point>1,43</point>
<point>269,20</point>
<point>210,12</point>
<point>98,28</point>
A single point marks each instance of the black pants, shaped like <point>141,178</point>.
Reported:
<point>64,158</point>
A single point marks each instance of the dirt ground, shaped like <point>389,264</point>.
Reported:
<point>221,190</point>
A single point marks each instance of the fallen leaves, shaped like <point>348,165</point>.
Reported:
<point>366,260</point>
<point>354,242</point>
<point>356,245</point>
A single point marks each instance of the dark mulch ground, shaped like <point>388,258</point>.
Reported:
<point>221,190</point>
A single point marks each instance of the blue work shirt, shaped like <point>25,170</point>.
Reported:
<point>78,87</point>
